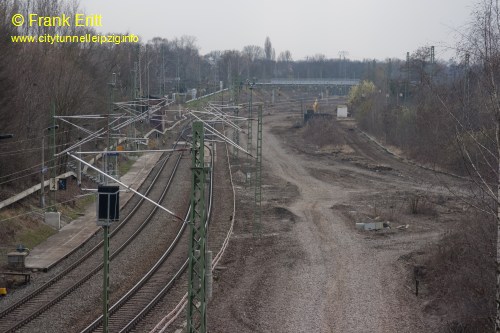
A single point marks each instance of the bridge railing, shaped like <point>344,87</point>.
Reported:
<point>331,81</point>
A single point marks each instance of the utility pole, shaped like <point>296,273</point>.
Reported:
<point>111,109</point>
<point>249,135</point>
<point>467,79</point>
<point>149,93</point>
<point>162,80</point>
<point>43,169</point>
<point>433,62</point>
<point>467,87</point>
<point>301,110</point>
<point>388,81</point>
<point>79,166</point>
<point>236,134</point>
<point>249,129</point>
<point>42,180</point>
<point>53,170</point>
<point>258,179</point>
<point>105,288</point>
<point>222,92</point>
<point>342,56</point>
<point>407,76</point>
<point>178,78</point>
<point>108,208</point>
<point>139,71</point>
<point>197,307</point>
<point>135,95</point>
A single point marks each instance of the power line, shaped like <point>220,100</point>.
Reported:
<point>27,150</point>
<point>30,139</point>
<point>37,211</point>
<point>29,174</point>
<point>34,166</point>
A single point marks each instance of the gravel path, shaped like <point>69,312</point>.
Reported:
<point>311,271</point>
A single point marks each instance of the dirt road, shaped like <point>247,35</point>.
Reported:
<point>312,271</point>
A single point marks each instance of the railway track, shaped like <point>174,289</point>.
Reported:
<point>129,310</point>
<point>220,233</point>
<point>76,274</point>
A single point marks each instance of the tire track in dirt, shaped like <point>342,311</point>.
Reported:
<point>344,287</point>
<point>313,272</point>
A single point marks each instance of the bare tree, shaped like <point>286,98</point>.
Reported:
<point>252,53</point>
<point>482,45</point>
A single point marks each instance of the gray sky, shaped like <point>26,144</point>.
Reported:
<point>364,28</point>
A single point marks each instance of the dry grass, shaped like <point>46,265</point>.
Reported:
<point>418,204</point>
<point>26,229</point>
<point>456,274</point>
<point>460,276</point>
<point>22,222</point>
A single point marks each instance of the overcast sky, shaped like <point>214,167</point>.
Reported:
<point>369,29</point>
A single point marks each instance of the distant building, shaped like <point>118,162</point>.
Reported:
<point>342,111</point>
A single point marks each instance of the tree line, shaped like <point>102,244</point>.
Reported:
<point>37,80</point>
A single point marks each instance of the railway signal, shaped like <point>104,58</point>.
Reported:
<point>108,211</point>
<point>61,184</point>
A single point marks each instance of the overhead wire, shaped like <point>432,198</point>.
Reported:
<point>24,151</point>
<point>29,174</point>
<point>8,142</point>
<point>39,211</point>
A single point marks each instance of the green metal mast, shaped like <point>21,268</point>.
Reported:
<point>467,80</point>
<point>407,76</point>
<point>236,99</point>
<point>249,129</point>
<point>236,135</point>
<point>107,213</point>
<point>105,282</point>
<point>388,81</point>
<point>196,308</point>
<point>106,226</point>
<point>433,62</point>
<point>53,172</point>
<point>134,78</point>
<point>258,178</point>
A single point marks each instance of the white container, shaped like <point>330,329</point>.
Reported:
<point>341,111</point>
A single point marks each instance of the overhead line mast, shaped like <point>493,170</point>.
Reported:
<point>197,307</point>
<point>257,225</point>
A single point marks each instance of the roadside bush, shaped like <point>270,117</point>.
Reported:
<point>460,276</point>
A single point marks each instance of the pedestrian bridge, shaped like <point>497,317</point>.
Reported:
<point>309,82</point>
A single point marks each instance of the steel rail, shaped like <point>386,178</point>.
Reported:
<point>133,323</point>
<point>159,296</point>
<point>90,274</point>
<point>77,263</point>
<point>165,322</point>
